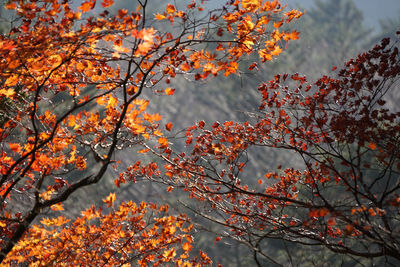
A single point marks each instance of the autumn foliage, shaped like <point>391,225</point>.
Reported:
<point>70,87</point>
<point>143,233</point>
<point>347,196</point>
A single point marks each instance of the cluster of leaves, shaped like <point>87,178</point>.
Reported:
<point>346,198</point>
<point>77,79</point>
<point>143,233</point>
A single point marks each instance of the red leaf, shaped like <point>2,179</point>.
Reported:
<point>107,3</point>
<point>169,126</point>
<point>201,124</point>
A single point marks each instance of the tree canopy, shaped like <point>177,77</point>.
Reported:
<point>71,97</point>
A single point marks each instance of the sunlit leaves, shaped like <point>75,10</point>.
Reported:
<point>145,233</point>
<point>169,91</point>
<point>147,35</point>
<point>251,28</point>
<point>170,8</point>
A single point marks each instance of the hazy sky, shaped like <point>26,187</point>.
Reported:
<point>374,10</point>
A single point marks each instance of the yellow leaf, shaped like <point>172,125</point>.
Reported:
<point>110,199</point>
<point>112,102</point>
<point>160,17</point>
<point>7,92</point>
<point>248,43</point>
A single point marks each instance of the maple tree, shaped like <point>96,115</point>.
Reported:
<point>143,232</point>
<point>347,196</point>
<point>70,85</point>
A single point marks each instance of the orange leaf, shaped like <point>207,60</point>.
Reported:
<point>323,212</point>
<point>145,150</point>
<point>86,6</point>
<point>372,146</point>
<point>57,207</point>
<point>55,60</point>
<point>4,189</point>
<point>372,212</point>
<point>122,13</point>
<point>10,5</point>
<point>81,163</point>
<point>170,8</point>
<point>185,67</point>
<point>187,246</point>
<point>294,35</point>
<point>278,24</point>
<point>15,147</point>
<point>163,141</point>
